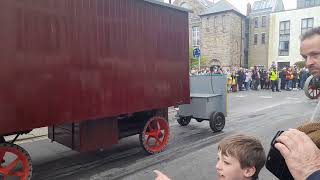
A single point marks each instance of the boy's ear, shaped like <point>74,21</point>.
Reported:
<point>249,171</point>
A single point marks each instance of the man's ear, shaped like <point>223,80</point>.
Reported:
<point>249,171</point>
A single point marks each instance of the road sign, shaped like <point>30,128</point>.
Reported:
<point>196,52</point>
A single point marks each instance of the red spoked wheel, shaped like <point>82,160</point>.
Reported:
<point>155,135</point>
<point>311,88</point>
<point>15,162</point>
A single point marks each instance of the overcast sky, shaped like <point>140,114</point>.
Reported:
<point>242,4</point>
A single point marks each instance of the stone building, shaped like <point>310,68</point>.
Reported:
<point>218,30</point>
<point>258,17</point>
<point>222,29</point>
<point>196,6</point>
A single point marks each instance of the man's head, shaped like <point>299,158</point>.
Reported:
<point>310,50</point>
<point>240,157</point>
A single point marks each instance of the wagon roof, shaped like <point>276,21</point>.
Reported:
<point>168,5</point>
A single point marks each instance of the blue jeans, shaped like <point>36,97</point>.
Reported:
<point>247,85</point>
<point>289,84</point>
<point>302,81</point>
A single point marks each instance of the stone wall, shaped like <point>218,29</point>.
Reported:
<point>194,19</point>
<point>221,38</point>
<point>258,54</point>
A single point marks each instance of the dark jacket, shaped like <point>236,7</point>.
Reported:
<point>314,176</point>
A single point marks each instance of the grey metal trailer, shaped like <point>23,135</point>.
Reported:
<point>208,96</point>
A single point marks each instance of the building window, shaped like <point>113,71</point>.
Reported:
<point>284,38</point>
<point>309,3</point>
<point>185,5</point>
<point>196,36</point>
<point>255,39</point>
<point>215,23</point>
<point>306,3</point>
<point>282,65</point>
<point>306,24</point>
<point>264,21</point>
<point>207,24</point>
<point>223,18</point>
<point>256,22</point>
<point>263,38</point>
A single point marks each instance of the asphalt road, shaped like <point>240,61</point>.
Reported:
<point>191,153</point>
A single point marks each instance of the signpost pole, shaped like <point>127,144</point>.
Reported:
<point>197,54</point>
<point>199,60</point>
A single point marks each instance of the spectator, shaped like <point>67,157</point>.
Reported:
<point>289,77</point>
<point>274,79</point>
<point>240,157</point>
<point>301,154</point>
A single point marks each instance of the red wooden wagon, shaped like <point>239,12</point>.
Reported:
<point>93,71</point>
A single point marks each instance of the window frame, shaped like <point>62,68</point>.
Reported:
<point>256,22</point>
<point>304,29</point>
<point>255,39</point>
<point>263,40</point>
<point>284,34</point>
<point>263,21</point>
<point>195,36</point>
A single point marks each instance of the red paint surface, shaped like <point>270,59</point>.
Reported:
<point>74,60</point>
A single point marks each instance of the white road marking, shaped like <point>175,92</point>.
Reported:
<point>241,96</point>
<point>266,97</point>
<point>293,98</point>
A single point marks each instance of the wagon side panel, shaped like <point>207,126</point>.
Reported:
<point>69,61</point>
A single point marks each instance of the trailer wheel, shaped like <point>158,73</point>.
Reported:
<point>310,88</point>
<point>155,135</point>
<point>183,121</point>
<point>217,121</point>
<point>16,162</point>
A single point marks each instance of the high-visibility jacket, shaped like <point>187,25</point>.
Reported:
<point>274,75</point>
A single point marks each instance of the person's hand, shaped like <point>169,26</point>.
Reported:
<point>301,154</point>
<point>161,176</point>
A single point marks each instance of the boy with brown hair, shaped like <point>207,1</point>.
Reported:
<point>240,157</point>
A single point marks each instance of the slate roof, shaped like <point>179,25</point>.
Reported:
<point>265,5</point>
<point>206,3</point>
<point>221,6</point>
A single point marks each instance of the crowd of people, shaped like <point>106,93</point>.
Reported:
<point>255,78</point>
<point>241,157</point>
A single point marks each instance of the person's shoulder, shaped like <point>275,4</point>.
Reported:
<point>314,176</point>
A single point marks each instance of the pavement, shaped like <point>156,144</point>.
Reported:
<point>35,135</point>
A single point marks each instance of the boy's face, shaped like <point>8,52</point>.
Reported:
<point>228,168</point>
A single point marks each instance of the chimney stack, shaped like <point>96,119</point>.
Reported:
<point>248,9</point>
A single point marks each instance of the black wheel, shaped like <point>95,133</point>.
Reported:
<point>183,121</point>
<point>217,121</point>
